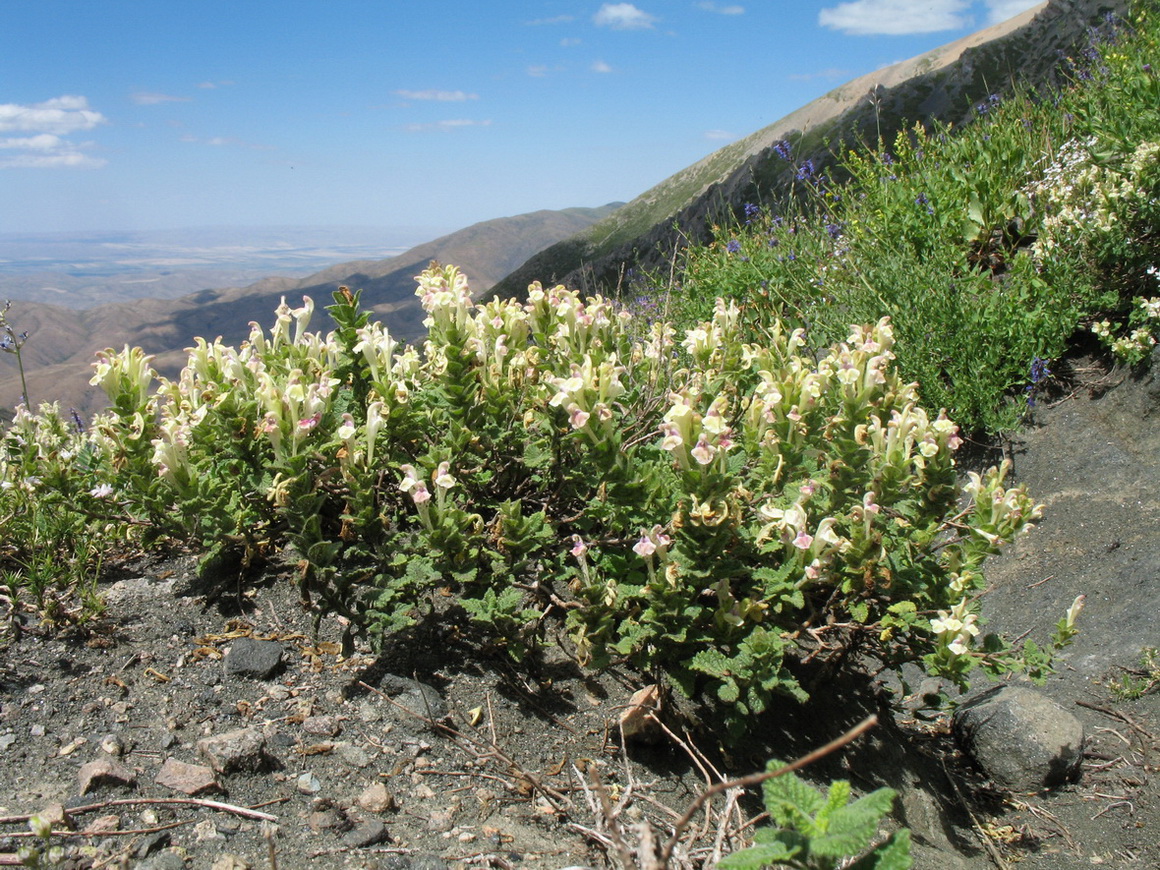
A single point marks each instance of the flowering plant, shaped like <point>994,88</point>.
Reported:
<point>711,507</point>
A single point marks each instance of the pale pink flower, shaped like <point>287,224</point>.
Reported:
<point>644,547</point>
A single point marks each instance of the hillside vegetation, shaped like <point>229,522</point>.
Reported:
<point>746,469</point>
<point>940,85</point>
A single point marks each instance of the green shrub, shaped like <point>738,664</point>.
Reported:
<point>710,509</point>
<point>822,831</point>
<point>987,246</point>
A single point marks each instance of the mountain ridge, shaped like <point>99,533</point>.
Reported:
<point>943,84</point>
<point>63,341</point>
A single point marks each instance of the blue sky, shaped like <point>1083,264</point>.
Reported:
<point>149,114</point>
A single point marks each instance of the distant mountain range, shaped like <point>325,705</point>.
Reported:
<point>589,249</point>
<point>63,341</point>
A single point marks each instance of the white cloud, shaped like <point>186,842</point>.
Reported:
<point>438,96</point>
<point>718,135</point>
<point>896,17</point>
<point>43,142</point>
<point>48,122</point>
<point>1000,10</point>
<point>569,42</point>
<point>209,86</point>
<point>146,98</point>
<point>62,115</point>
<point>623,16</point>
<point>63,160</point>
<point>599,66</point>
<point>709,6</point>
<point>447,126</point>
<point>559,19</point>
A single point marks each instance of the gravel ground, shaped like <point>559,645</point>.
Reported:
<point>157,739</point>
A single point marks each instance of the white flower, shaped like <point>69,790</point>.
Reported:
<point>443,478</point>
<point>101,490</point>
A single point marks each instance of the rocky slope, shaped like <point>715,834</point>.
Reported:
<point>943,84</point>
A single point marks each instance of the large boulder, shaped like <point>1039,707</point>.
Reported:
<point>1024,741</point>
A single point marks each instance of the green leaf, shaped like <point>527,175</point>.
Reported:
<point>836,799</point>
<point>791,801</point>
<point>758,856</point>
<point>894,854</point>
<point>712,662</point>
<point>851,828</point>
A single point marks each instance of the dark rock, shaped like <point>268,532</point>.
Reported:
<point>257,659</point>
<point>1022,739</point>
<point>419,699</point>
<point>241,750</point>
<point>369,833</point>
<point>153,843</point>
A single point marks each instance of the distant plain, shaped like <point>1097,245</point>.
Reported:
<point>83,270</point>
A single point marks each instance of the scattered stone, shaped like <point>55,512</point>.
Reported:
<point>375,798</point>
<point>166,860</point>
<point>152,844</point>
<point>1022,739</point>
<point>37,730</point>
<point>243,750</point>
<point>323,726</point>
<point>190,779</point>
<point>441,820</point>
<point>325,820</point>
<point>229,862</point>
<point>256,659</point>
<point>353,755</point>
<point>421,861</point>
<point>113,745</point>
<point>369,710</point>
<point>308,783</point>
<point>205,831</point>
<point>104,771</point>
<point>369,833</point>
<point>419,699</point>
<point>71,747</point>
<point>104,824</point>
<point>6,740</point>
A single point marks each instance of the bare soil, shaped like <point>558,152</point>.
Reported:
<point>525,767</point>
